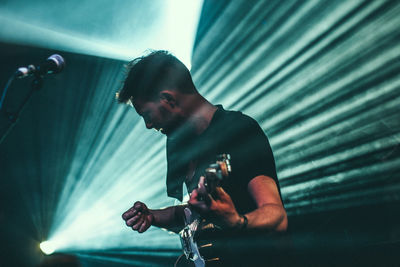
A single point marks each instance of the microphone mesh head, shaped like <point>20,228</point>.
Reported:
<point>60,62</point>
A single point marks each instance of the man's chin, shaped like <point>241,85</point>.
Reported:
<point>172,129</point>
<point>170,132</point>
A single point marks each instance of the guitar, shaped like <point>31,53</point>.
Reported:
<point>214,174</point>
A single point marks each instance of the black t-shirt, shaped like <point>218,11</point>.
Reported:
<point>229,132</point>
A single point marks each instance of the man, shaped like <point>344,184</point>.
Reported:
<point>161,90</point>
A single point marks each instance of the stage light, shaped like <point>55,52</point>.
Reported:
<point>130,27</point>
<point>104,178</point>
<point>89,210</point>
<point>47,247</point>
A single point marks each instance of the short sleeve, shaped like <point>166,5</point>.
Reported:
<point>251,152</point>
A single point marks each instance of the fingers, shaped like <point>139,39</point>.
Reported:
<point>132,221</point>
<point>202,194</point>
<point>138,217</point>
<point>138,206</point>
<point>221,194</point>
<point>200,202</point>
<point>129,214</point>
<point>201,186</point>
<point>138,223</point>
<point>145,225</point>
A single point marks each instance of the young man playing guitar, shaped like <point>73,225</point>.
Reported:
<point>161,90</point>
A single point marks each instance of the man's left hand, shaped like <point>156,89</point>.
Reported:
<point>219,209</point>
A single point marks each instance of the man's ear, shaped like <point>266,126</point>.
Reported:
<point>169,97</point>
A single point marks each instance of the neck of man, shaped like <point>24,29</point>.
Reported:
<point>199,113</point>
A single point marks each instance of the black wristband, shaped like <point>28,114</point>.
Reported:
<point>245,222</point>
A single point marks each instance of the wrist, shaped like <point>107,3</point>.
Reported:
<point>151,216</point>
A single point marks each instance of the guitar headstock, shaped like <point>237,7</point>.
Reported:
<point>217,171</point>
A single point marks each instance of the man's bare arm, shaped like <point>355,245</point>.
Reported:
<point>140,218</point>
<point>170,218</point>
<point>270,213</point>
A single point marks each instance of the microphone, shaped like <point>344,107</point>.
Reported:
<point>54,64</point>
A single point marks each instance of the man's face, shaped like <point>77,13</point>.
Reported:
<point>158,115</point>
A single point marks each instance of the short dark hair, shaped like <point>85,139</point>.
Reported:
<point>150,74</point>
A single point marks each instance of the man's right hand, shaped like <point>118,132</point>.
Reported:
<point>139,217</point>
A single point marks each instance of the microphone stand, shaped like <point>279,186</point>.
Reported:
<point>13,117</point>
